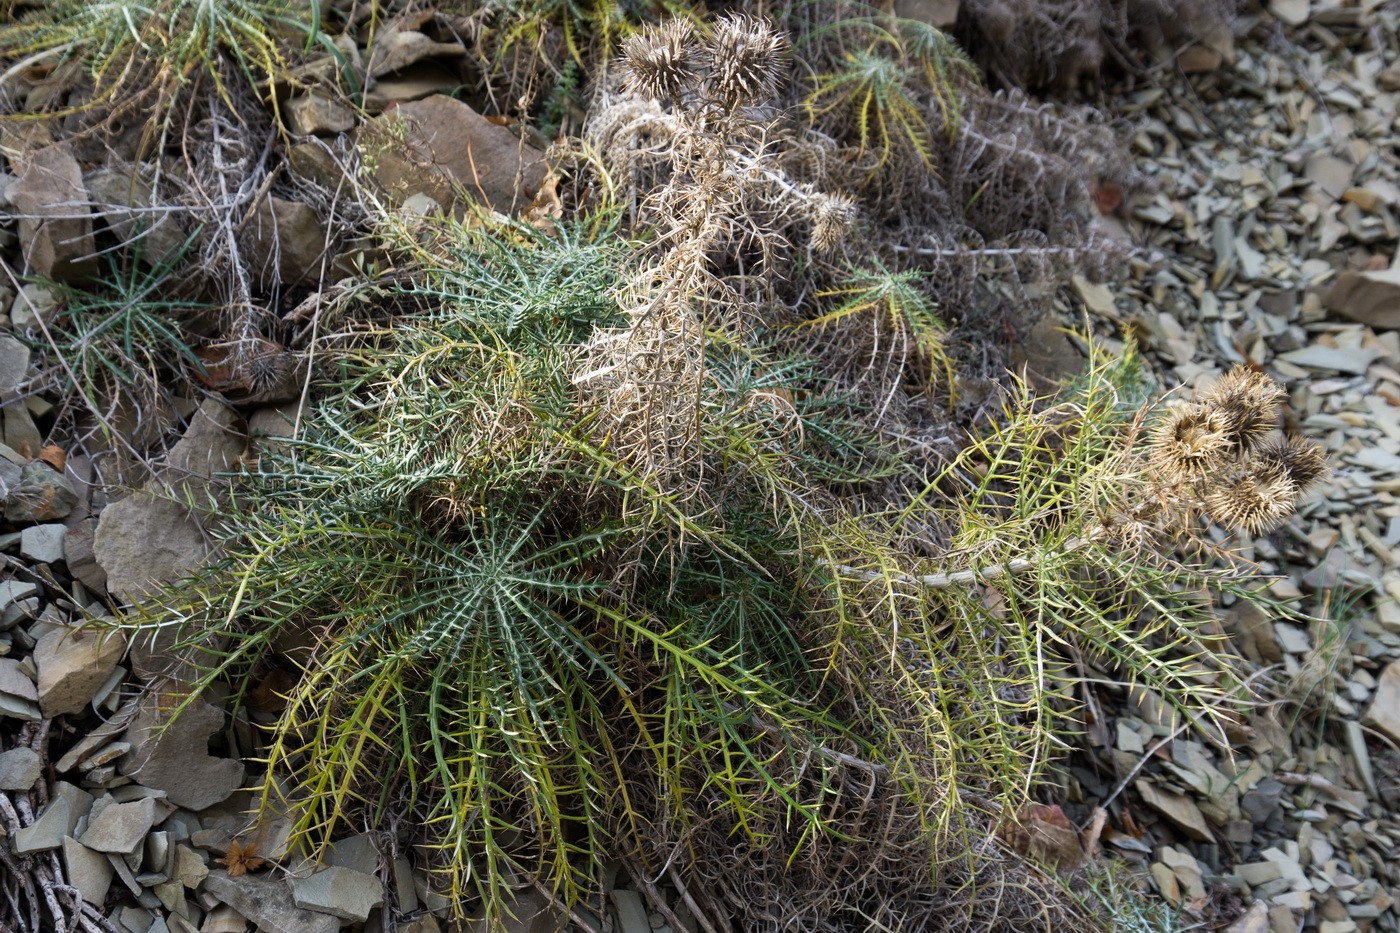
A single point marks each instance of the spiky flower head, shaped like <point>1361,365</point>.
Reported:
<point>1255,499</point>
<point>1250,402</point>
<point>832,217</point>
<point>1302,461</point>
<point>1189,442</point>
<point>746,53</point>
<point>660,60</point>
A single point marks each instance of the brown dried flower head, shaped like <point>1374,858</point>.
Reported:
<point>1302,461</point>
<point>1255,500</point>
<point>832,217</point>
<point>1189,441</point>
<point>746,53</point>
<point>660,60</point>
<point>1250,402</point>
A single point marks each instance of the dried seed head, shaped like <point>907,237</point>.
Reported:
<point>660,60</point>
<point>1255,500</point>
<point>1190,441</point>
<point>1250,402</point>
<point>1302,461</point>
<point>746,54</point>
<point>832,217</point>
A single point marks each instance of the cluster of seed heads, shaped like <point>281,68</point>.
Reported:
<point>1222,451</point>
<point>736,66</point>
<point>716,88</point>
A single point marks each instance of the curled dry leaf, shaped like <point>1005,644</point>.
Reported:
<point>54,456</point>
<point>242,858</point>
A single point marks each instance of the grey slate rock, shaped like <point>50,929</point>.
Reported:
<point>73,665</point>
<point>340,892</point>
<point>628,909</point>
<point>68,805</point>
<point>43,544</point>
<point>121,827</point>
<point>268,904</point>
<point>88,871</point>
<point>174,756</point>
<point>20,769</point>
<point>41,494</point>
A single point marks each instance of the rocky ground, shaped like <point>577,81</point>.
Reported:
<point>1268,236</point>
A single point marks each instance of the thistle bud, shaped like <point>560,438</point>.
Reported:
<point>660,60</point>
<point>1189,442</point>
<point>832,217</point>
<point>1302,461</point>
<point>1255,500</point>
<point>746,54</point>
<point>1250,403</point>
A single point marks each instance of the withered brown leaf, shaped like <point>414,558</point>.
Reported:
<point>242,858</point>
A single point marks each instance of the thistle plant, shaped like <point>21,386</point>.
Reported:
<point>586,562</point>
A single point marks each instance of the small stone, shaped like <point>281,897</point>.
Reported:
<point>1098,298</point>
<point>120,827</point>
<point>314,115</point>
<point>1128,739</point>
<point>1384,712</point>
<point>285,241</point>
<point>1372,298</point>
<point>1255,920</point>
<point>1258,873</point>
<point>20,769</point>
<point>1167,885</point>
<point>1254,629</point>
<point>42,494</point>
<point>1262,801</point>
<point>1354,361</point>
<point>1291,12</point>
<point>631,915</point>
<point>73,664</point>
<point>144,541</point>
<point>447,146</point>
<point>15,682</point>
<point>125,199</point>
<point>189,868</point>
<point>1292,639</point>
<point>1199,59</point>
<point>12,707</point>
<point>55,226</point>
<point>1187,871</point>
<point>359,853</point>
<point>268,904</point>
<point>34,305</point>
<point>397,49</point>
<point>1178,809</point>
<point>224,919</point>
<point>1329,173</point>
<point>66,807</point>
<point>88,871</point>
<point>340,892</point>
<point>43,544</point>
<point>940,13</point>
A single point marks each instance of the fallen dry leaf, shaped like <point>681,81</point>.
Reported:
<point>242,858</point>
<point>54,456</point>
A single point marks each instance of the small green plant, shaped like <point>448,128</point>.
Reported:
<point>163,44</point>
<point>883,73</point>
<point>112,348</point>
<point>900,309</point>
